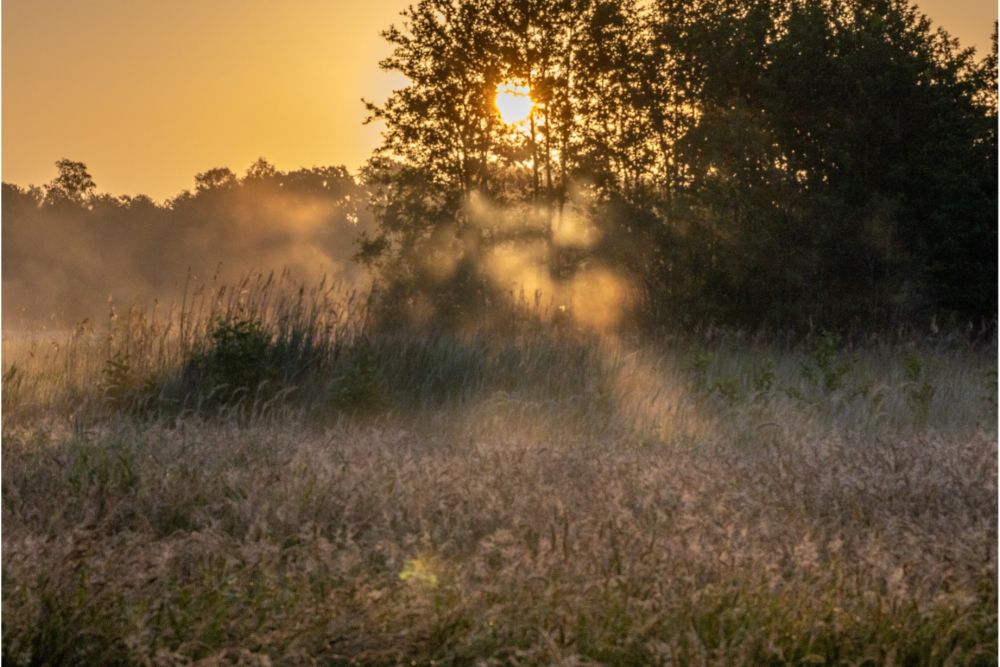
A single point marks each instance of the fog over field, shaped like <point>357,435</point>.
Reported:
<point>69,249</point>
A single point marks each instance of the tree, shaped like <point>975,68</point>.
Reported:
<point>73,185</point>
<point>261,170</point>
<point>214,179</point>
<point>445,147</point>
<point>441,132</point>
<point>758,162</point>
<point>876,114</point>
<point>825,158</point>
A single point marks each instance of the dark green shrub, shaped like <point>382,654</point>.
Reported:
<point>123,387</point>
<point>238,362</point>
<point>360,385</point>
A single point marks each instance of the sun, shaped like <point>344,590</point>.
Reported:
<point>514,102</point>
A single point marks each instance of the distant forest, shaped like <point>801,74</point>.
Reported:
<point>68,248</point>
<point>765,164</point>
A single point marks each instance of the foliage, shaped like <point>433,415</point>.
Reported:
<point>73,186</point>
<point>455,498</point>
<point>239,358</point>
<point>360,384</point>
<point>122,388</point>
<point>768,164</point>
<point>494,485</point>
<point>752,162</point>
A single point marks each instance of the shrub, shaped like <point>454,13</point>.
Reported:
<point>239,361</point>
<point>360,386</point>
<point>121,385</point>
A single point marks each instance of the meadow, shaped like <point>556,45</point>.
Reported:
<point>259,476</point>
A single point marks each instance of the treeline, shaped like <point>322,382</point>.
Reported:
<point>765,164</point>
<point>67,247</point>
<point>758,163</point>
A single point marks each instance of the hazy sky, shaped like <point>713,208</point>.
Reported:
<point>149,93</point>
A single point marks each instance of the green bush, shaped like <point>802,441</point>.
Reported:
<point>360,385</point>
<point>238,362</point>
<point>123,387</point>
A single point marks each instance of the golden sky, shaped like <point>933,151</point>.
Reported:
<point>149,93</point>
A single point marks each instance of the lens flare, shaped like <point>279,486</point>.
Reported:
<point>514,102</point>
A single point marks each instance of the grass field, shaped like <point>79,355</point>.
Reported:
<point>258,478</point>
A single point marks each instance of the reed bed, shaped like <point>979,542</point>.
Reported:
<point>531,496</point>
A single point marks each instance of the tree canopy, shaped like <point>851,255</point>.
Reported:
<point>754,162</point>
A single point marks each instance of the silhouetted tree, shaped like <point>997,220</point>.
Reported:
<point>440,134</point>
<point>214,179</point>
<point>73,185</point>
<point>830,161</point>
<point>444,143</point>
<point>761,162</point>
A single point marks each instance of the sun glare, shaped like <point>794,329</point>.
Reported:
<point>514,102</point>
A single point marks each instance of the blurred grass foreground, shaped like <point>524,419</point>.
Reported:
<point>262,476</point>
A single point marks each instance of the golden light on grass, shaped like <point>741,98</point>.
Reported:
<point>514,102</point>
<point>713,493</point>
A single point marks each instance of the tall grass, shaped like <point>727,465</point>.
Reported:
<point>262,477</point>
<point>148,360</point>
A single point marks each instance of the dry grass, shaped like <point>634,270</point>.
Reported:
<point>547,501</point>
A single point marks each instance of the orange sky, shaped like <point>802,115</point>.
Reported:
<point>148,94</point>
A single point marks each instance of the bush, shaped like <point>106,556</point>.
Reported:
<point>122,386</point>
<point>360,386</point>
<point>239,361</point>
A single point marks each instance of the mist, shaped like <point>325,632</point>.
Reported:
<point>68,250</point>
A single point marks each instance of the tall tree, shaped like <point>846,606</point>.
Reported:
<point>440,134</point>
<point>877,116</point>
<point>762,162</point>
